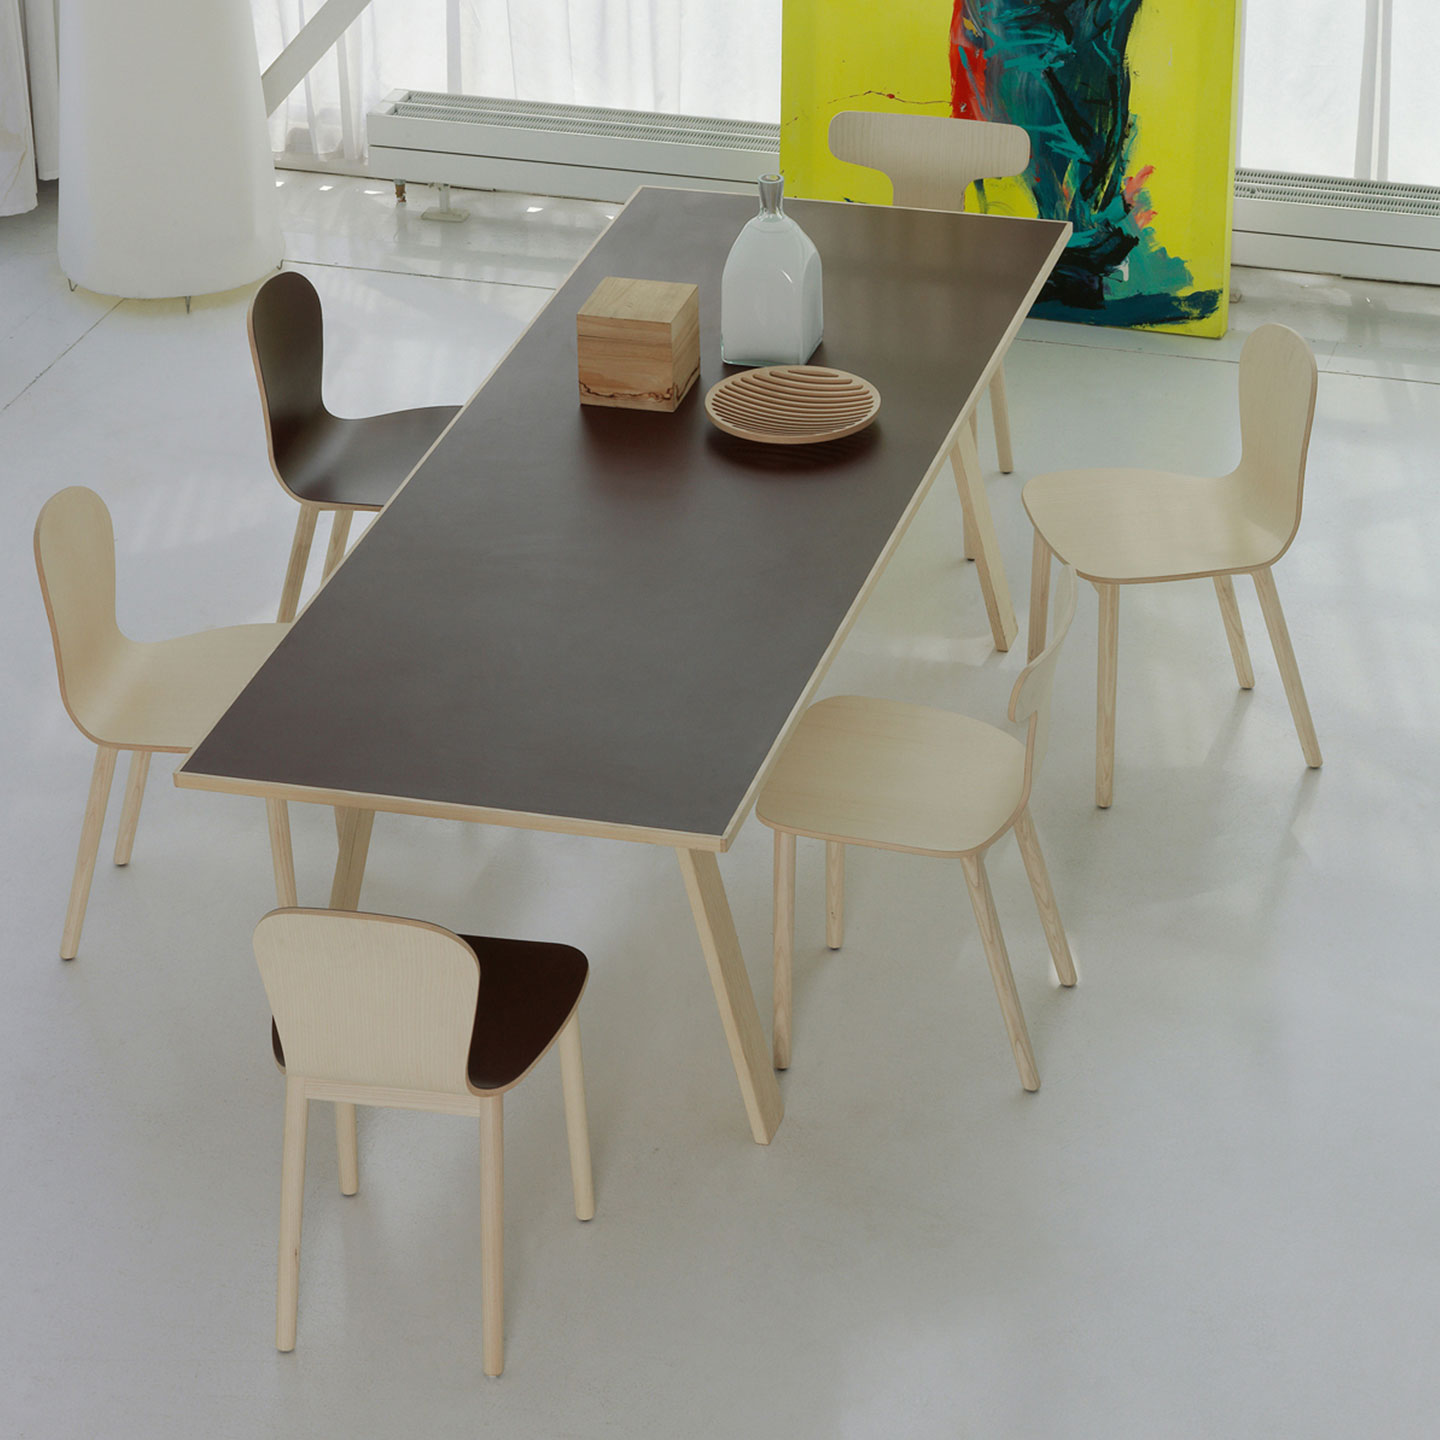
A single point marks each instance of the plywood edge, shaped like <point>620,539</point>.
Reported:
<point>186,779</point>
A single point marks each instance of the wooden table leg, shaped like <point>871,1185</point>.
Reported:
<point>980,533</point>
<point>355,827</point>
<point>748,1048</point>
<point>281,854</point>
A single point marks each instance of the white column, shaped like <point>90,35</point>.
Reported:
<point>167,185</point>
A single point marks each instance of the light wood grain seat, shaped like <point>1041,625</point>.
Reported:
<point>931,162</point>
<point>893,776</point>
<point>1158,523</point>
<point>865,771</point>
<point>121,693</point>
<point>324,461</point>
<point>380,1010</point>
<point>1136,527</point>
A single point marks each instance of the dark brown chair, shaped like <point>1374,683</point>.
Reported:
<point>321,460</point>
<point>378,1010</point>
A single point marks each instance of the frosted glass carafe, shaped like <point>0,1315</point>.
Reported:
<point>770,304</point>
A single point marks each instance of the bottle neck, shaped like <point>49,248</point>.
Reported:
<point>772,192</point>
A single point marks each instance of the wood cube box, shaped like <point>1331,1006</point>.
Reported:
<point>639,343</point>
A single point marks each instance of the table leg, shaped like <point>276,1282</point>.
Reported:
<point>748,1048</point>
<point>355,827</point>
<point>281,854</point>
<point>980,534</point>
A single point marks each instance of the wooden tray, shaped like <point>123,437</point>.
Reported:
<point>792,404</point>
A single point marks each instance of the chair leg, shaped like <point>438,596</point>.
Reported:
<point>1289,671</point>
<point>95,803</point>
<point>299,558</point>
<point>1029,843</point>
<point>1000,414</point>
<point>339,538</point>
<point>784,945</point>
<point>292,1205</point>
<point>1105,694</point>
<point>1234,631</point>
<point>492,1231</point>
<point>130,809</point>
<point>577,1128</point>
<point>1039,624</point>
<point>983,903</point>
<point>967,541</point>
<point>980,527</point>
<point>282,855</point>
<point>834,894</point>
<point>347,1147</point>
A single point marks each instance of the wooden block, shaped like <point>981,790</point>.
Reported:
<point>639,343</point>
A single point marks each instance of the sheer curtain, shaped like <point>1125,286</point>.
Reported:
<point>29,102</point>
<point>1342,87</point>
<point>697,57</point>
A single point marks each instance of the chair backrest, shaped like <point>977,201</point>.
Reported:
<point>75,558</point>
<point>932,160</point>
<point>1030,699</point>
<point>369,999</point>
<point>287,344</point>
<point>1278,378</point>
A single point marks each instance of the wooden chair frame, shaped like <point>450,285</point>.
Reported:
<point>123,695</point>
<point>1258,503</point>
<point>377,1010</point>
<point>312,382</point>
<point>1029,705</point>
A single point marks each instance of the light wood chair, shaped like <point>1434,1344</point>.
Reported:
<point>891,776</point>
<point>1144,527</point>
<point>122,694</point>
<point>322,461</point>
<point>377,1010</point>
<point>932,161</point>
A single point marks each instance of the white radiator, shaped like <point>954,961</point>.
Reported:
<point>1371,229</point>
<point>587,151</point>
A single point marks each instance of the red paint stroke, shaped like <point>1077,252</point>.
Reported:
<point>1134,188</point>
<point>1135,183</point>
<point>967,67</point>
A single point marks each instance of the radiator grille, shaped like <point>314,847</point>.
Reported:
<point>589,120</point>
<point>1385,196</point>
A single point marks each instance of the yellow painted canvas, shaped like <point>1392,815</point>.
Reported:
<point>1130,107</point>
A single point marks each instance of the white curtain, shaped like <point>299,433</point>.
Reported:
<point>1342,87</point>
<point>29,102</point>
<point>695,57</point>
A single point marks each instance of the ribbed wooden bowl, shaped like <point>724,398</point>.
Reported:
<point>792,404</point>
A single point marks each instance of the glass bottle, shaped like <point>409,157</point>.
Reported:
<point>770,301</point>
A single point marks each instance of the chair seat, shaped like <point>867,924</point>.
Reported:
<point>1146,525</point>
<point>528,990</point>
<point>167,695</point>
<point>357,463</point>
<point>895,776</point>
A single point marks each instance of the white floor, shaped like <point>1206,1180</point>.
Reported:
<point>1218,1218</point>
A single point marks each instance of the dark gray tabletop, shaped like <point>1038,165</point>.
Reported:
<point>608,616</point>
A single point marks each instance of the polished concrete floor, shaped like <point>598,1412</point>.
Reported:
<point>1218,1218</point>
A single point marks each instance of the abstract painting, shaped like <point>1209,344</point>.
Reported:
<point>1129,105</point>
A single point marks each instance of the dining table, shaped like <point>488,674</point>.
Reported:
<point>606,622</point>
